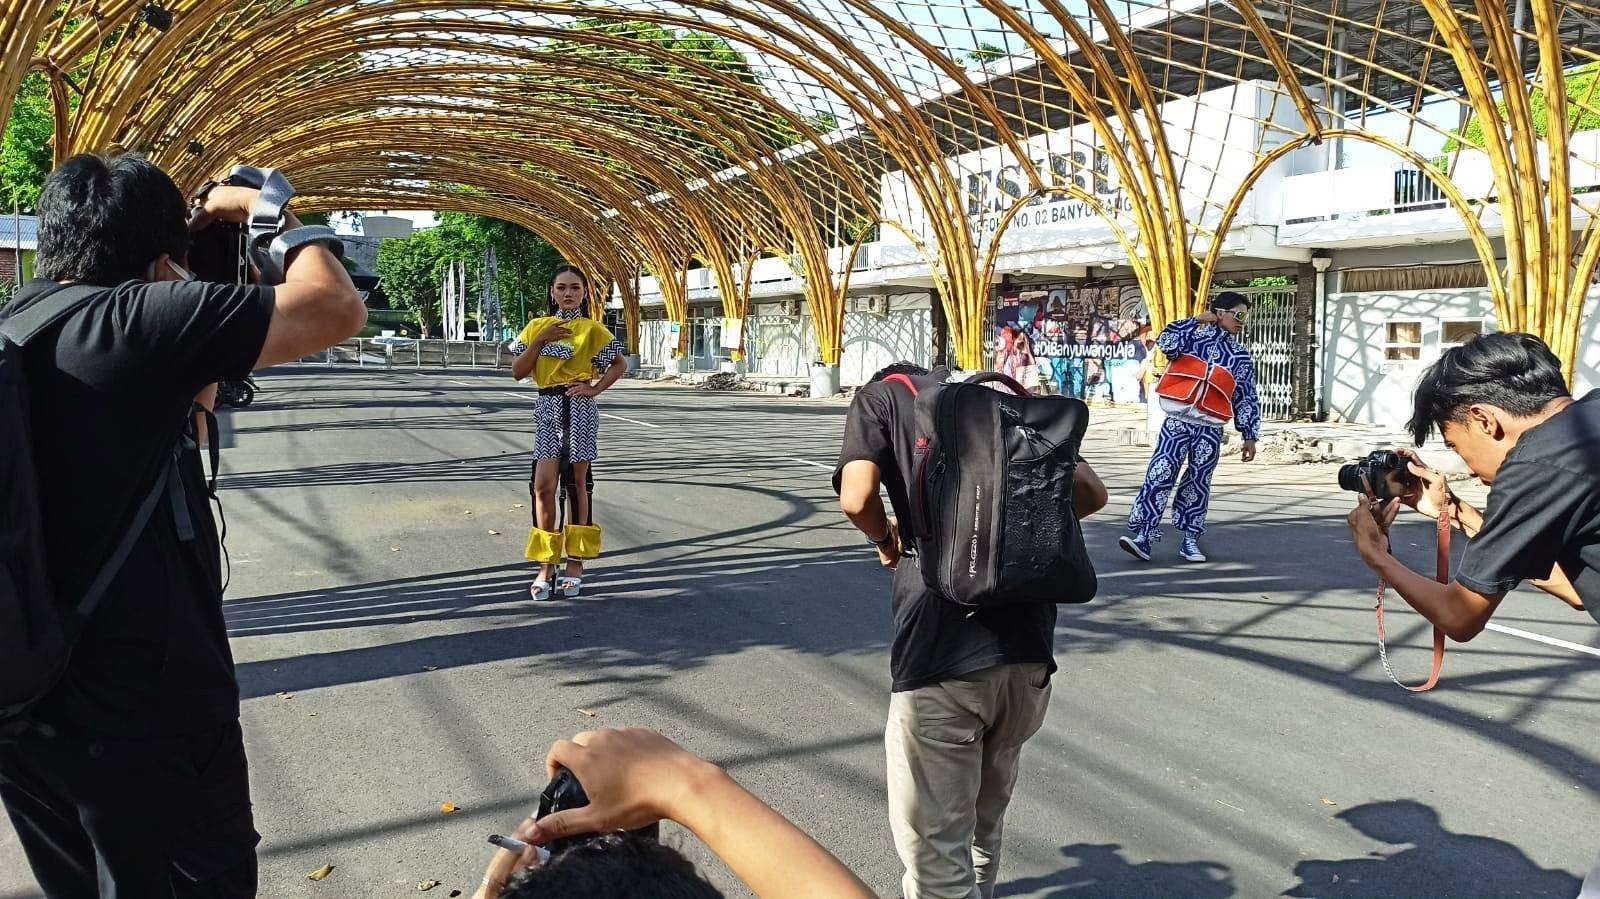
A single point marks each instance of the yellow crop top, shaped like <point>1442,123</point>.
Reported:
<point>576,354</point>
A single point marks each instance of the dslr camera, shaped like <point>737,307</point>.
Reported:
<point>564,792</point>
<point>1383,473</point>
<point>257,251</point>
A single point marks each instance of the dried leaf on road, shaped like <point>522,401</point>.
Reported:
<point>285,695</point>
<point>494,533</point>
<point>1327,801</point>
<point>430,667</point>
<point>394,549</point>
<point>426,885</point>
<point>586,713</point>
<point>320,873</point>
<point>516,505</point>
<point>448,807</point>
<point>468,512</point>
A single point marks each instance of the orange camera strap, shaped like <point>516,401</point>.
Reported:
<point>1442,574</point>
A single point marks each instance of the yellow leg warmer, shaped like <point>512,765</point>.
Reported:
<point>548,547</point>
<point>583,541</point>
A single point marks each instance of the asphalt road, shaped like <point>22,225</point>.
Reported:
<point>1215,730</point>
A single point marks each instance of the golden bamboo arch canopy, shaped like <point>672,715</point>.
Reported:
<point>653,135</point>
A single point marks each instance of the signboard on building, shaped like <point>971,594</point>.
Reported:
<point>1214,139</point>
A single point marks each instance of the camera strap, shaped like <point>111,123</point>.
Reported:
<point>1442,575</point>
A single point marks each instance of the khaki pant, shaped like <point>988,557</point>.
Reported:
<point>953,749</point>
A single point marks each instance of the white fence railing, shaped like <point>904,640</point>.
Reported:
<point>387,352</point>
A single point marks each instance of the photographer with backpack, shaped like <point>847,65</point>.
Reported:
<point>122,764</point>
<point>984,542</point>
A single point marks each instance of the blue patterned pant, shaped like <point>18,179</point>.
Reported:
<point>1180,442</point>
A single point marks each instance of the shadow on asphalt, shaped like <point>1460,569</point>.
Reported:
<point>1437,862</point>
<point>1099,870</point>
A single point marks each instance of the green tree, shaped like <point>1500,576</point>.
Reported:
<point>25,152</point>
<point>409,270</point>
<point>987,53</point>
<point>524,259</point>
<point>1581,88</point>
<point>773,130</point>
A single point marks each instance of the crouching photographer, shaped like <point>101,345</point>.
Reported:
<point>122,764</point>
<point>593,836</point>
<point>1501,404</point>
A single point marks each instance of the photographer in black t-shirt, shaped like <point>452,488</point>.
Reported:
<point>1501,404</point>
<point>969,688</point>
<point>133,782</point>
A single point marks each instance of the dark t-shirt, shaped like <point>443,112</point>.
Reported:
<point>934,639</point>
<point>1544,509</point>
<point>110,391</point>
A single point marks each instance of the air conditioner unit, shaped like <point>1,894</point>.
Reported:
<point>878,305</point>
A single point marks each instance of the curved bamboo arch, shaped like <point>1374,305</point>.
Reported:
<point>1457,200</point>
<point>659,149</point>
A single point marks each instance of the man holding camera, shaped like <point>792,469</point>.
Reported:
<point>1501,404</point>
<point>129,778</point>
<point>969,687</point>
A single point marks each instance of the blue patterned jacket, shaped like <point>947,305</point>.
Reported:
<point>1213,344</point>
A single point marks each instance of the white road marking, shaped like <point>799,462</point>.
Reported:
<point>811,463</point>
<point>632,421</point>
<point>1541,638</point>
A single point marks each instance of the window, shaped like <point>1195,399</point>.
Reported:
<point>1455,332</point>
<point>1402,340</point>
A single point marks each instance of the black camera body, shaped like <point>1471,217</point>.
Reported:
<point>1384,473</point>
<point>217,254</point>
<point>564,792</point>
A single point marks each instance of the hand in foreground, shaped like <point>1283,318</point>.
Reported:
<point>1431,493</point>
<point>890,551</point>
<point>505,863</point>
<point>554,332</point>
<point>632,776</point>
<point>583,390</point>
<point>1369,526</point>
<point>224,203</point>
<point>1248,452</point>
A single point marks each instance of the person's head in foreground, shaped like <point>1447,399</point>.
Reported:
<point>1482,395</point>
<point>104,220</point>
<point>910,369</point>
<point>613,865</point>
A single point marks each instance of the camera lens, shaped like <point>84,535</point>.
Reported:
<point>1350,478</point>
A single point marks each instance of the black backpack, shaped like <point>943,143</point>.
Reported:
<point>38,628</point>
<point>991,493</point>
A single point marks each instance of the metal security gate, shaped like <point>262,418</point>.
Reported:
<point>1269,336</point>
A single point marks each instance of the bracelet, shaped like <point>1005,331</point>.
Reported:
<point>881,541</point>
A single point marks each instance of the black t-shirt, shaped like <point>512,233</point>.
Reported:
<point>110,392</point>
<point>934,639</point>
<point>1544,509</point>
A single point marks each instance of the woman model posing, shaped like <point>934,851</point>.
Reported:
<point>564,352</point>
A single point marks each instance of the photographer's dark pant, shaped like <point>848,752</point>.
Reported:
<point>166,817</point>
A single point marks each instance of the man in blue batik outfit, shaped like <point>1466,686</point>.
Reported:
<point>1214,337</point>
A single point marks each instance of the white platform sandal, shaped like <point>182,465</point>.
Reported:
<point>568,587</point>
<point>541,590</point>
